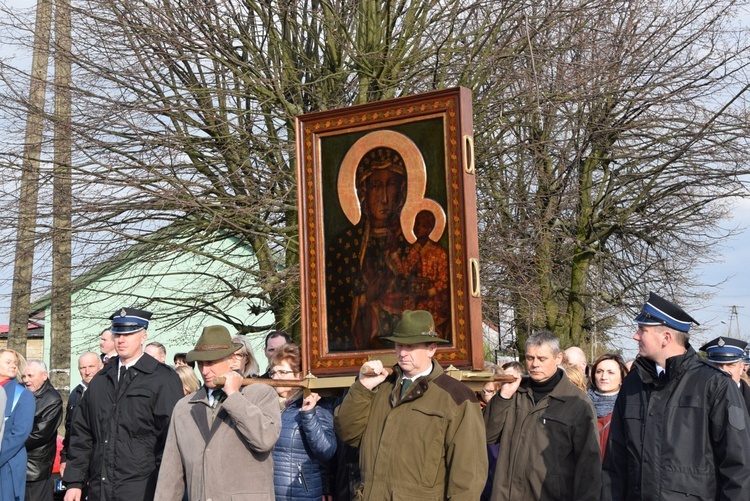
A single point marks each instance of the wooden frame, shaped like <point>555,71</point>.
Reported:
<point>367,175</point>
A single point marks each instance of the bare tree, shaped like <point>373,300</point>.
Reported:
<point>185,116</point>
<point>611,154</point>
<point>608,135</point>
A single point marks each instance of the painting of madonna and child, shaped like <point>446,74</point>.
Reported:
<point>385,193</point>
<point>373,272</point>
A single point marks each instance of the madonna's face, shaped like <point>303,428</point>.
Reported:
<point>383,196</point>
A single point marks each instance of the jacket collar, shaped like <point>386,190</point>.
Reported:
<point>146,363</point>
<point>10,391</point>
<point>674,368</point>
<point>200,396</point>
<point>200,413</point>
<point>418,387</point>
<point>564,389</point>
<point>42,389</point>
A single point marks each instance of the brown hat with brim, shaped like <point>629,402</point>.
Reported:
<point>215,343</point>
<point>416,327</point>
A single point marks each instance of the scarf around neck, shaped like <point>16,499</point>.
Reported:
<point>604,404</point>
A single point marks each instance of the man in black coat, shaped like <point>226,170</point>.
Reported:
<point>727,354</point>
<point>119,428</point>
<point>88,365</point>
<point>679,428</point>
<point>42,443</point>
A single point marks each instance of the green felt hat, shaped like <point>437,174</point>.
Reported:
<point>215,343</point>
<point>416,327</point>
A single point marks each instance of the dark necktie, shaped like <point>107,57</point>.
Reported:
<point>121,381</point>
<point>405,383</point>
<point>219,396</point>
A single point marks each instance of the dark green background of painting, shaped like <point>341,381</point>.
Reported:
<point>429,137</point>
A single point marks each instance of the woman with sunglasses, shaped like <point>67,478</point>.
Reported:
<point>607,375</point>
<point>307,441</point>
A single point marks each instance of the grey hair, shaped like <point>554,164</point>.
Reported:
<point>37,363</point>
<point>251,369</point>
<point>544,337</point>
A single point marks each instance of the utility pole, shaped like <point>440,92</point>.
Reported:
<point>62,200</point>
<point>733,329</point>
<point>29,193</point>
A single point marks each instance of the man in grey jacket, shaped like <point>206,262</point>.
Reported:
<point>216,430</point>
<point>546,428</point>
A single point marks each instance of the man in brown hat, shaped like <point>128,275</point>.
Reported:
<point>420,432</point>
<point>216,430</point>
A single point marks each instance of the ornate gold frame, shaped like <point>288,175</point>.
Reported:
<point>432,132</point>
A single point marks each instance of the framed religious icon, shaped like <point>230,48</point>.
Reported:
<point>388,223</point>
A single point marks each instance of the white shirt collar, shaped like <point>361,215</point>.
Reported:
<point>425,373</point>
<point>128,365</point>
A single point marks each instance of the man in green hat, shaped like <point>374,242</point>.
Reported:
<point>215,431</point>
<point>420,432</point>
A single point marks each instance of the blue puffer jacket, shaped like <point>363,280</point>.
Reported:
<point>306,444</point>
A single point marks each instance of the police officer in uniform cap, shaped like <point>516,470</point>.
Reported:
<point>728,354</point>
<point>120,427</point>
<point>679,428</point>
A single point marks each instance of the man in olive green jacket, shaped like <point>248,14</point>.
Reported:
<point>546,428</point>
<point>420,432</point>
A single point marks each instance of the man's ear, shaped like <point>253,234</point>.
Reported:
<point>559,358</point>
<point>668,337</point>
<point>432,348</point>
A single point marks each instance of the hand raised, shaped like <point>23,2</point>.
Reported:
<point>232,382</point>
<point>372,373</point>
<point>507,390</point>
<point>310,401</point>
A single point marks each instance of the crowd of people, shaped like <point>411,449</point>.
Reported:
<point>667,425</point>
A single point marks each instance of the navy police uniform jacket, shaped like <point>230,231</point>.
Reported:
<point>119,431</point>
<point>684,435</point>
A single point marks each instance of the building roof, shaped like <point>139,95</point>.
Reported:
<point>34,331</point>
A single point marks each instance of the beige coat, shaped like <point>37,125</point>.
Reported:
<point>228,461</point>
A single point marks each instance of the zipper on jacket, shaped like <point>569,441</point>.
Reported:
<point>302,476</point>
